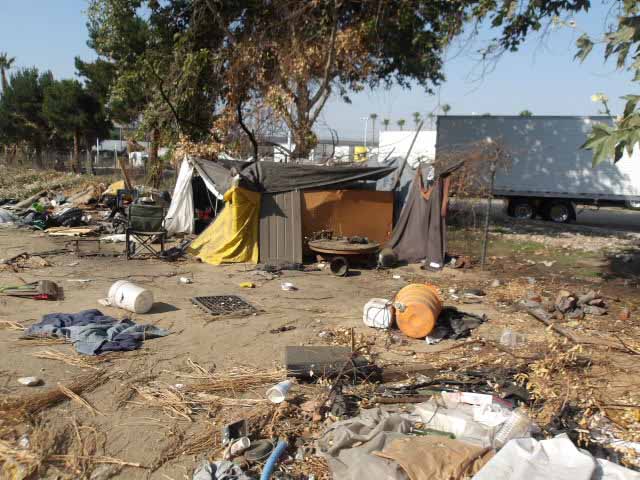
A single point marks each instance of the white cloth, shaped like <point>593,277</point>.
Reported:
<point>557,458</point>
<point>180,214</point>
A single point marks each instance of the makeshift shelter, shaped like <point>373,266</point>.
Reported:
<point>421,231</point>
<point>233,236</point>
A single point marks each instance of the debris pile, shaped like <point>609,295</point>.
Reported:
<point>567,305</point>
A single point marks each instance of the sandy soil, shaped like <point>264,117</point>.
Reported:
<point>136,433</point>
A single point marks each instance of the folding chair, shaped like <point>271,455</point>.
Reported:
<point>145,225</point>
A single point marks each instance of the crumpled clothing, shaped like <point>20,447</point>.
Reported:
<point>93,333</point>
<point>222,470</point>
<point>348,446</point>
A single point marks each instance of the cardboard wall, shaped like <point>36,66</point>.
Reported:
<point>348,213</point>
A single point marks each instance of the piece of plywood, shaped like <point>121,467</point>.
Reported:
<point>281,228</point>
<point>347,213</point>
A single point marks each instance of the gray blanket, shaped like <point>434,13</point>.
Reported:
<point>93,333</point>
<point>347,446</point>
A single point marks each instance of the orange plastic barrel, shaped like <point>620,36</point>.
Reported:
<point>417,308</point>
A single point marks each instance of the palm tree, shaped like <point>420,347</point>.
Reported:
<point>445,108</point>
<point>401,123</point>
<point>526,113</point>
<point>386,123</point>
<point>6,63</point>
<point>416,118</point>
<point>431,116</point>
<point>373,117</point>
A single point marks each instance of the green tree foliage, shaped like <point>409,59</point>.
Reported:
<point>622,43</point>
<point>73,114</point>
<point>417,117</point>
<point>164,62</point>
<point>446,108</point>
<point>526,113</point>
<point>6,62</point>
<point>22,120</point>
<point>401,123</point>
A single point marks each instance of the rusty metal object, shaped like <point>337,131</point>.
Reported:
<point>343,247</point>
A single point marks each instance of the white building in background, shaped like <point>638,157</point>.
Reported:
<point>395,144</point>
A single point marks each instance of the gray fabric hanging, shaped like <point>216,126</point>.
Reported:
<point>421,231</point>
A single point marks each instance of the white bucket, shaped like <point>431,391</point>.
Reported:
<point>124,294</point>
<point>378,313</point>
<point>278,393</point>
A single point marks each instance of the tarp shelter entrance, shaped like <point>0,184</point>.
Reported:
<point>243,183</point>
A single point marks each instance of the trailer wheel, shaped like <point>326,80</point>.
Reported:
<point>560,212</point>
<point>521,208</point>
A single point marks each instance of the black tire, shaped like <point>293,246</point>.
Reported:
<point>560,211</point>
<point>521,209</point>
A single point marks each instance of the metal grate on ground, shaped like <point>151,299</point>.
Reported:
<point>224,305</point>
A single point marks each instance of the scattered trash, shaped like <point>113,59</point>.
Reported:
<point>41,290</point>
<point>129,296</point>
<point>278,393</point>
<point>73,264</point>
<point>284,328</point>
<point>80,280</point>
<point>239,446</point>
<point>247,285</point>
<point>339,266</point>
<point>396,277</point>
<point>387,258</point>
<point>378,313</point>
<point>548,263</point>
<point>512,339</point>
<point>222,470</point>
<point>116,238</point>
<point>288,287</point>
<point>185,280</point>
<point>625,314</point>
<point>234,431</point>
<point>30,381</point>
<point>259,450</point>
<point>496,283</point>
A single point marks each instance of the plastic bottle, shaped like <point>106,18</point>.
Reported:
<point>517,425</point>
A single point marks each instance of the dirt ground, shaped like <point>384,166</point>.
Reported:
<point>135,431</point>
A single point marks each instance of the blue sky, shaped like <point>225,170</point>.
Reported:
<point>541,77</point>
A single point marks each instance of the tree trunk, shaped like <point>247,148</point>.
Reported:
<point>302,129</point>
<point>75,159</point>
<point>155,162</point>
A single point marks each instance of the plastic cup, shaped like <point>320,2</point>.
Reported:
<point>278,393</point>
<point>239,446</point>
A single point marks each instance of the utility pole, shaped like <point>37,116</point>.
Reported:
<point>366,128</point>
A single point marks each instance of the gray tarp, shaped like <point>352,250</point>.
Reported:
<point>421,231</point>
<point>274,177</point>
<point>348,446</point>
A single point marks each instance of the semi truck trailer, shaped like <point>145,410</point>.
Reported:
<point>549,174</point>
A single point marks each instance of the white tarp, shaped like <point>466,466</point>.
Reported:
<point>180,214</point>
<point>557,458</point>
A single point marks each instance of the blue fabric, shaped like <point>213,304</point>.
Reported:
<point>93,333</point>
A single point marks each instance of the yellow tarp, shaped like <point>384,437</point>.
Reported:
<point>233,236</point>
<point>114,187</point>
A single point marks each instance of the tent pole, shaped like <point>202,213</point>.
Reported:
<point>406,158</point>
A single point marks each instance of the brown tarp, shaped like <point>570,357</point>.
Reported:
<point>436,457</point>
